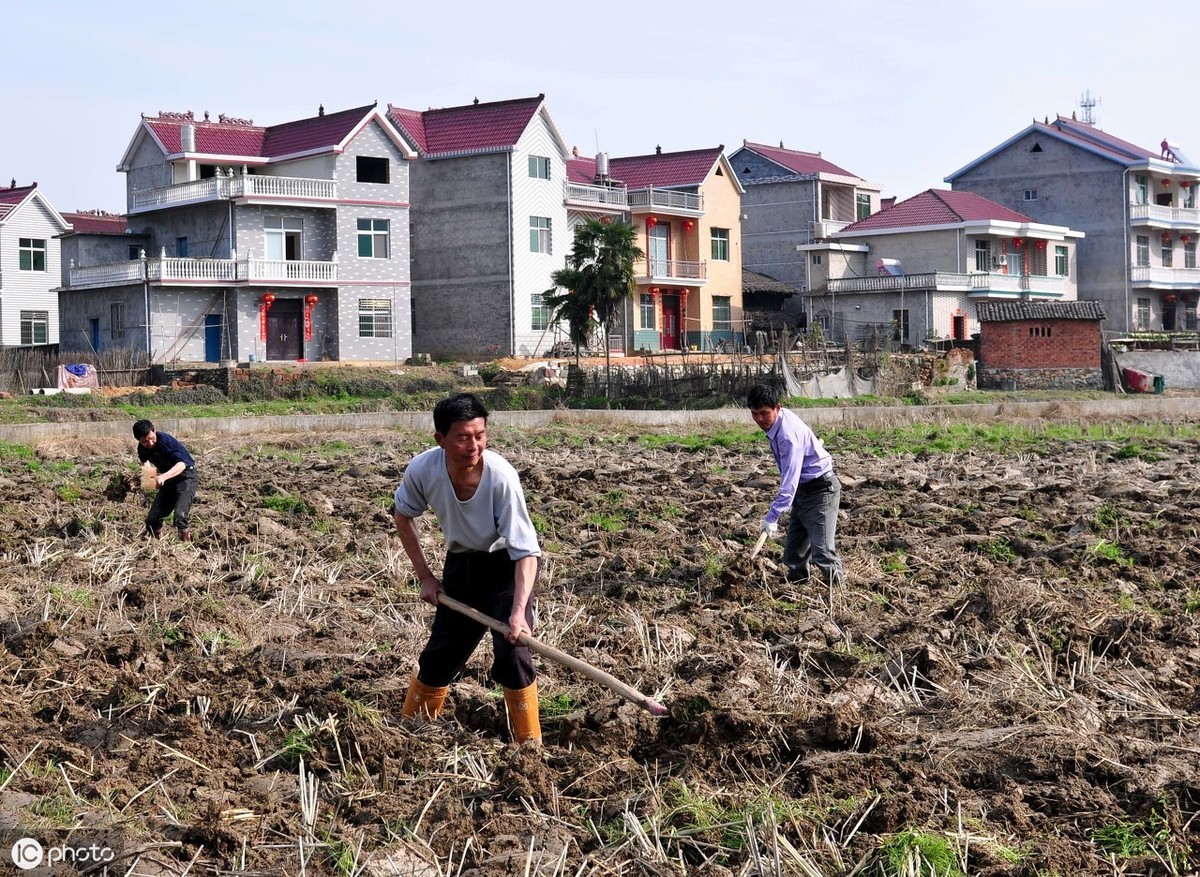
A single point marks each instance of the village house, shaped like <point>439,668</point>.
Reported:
<point>30,255</point>
<point>1137,206</point>
<point>1049,345</point>
<point>915,271</point>
<point>242,242</point>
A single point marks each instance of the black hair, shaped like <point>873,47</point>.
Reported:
<point>762,396</point>
<point>142,428</point>
<point>457,408</point>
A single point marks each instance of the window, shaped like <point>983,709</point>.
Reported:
<point>900,322</point>
<point>282,236</point>
<point>1143,314</point>
<point>181,247</point>
<point>1189,316</point>
<point>369,169</point>
<point>720,244</point>
<point>539,167</point>
<point>373,240</point>
<point>648,311</point>
<point>1189,254</point>
<point>1031,195</point>
<point>32,254</point>
<point>539,234</point>
<point>1061,261</point>
<point>374,318</point>
<point>116,319</point>
<point>539,313</point>
<point>722,314</point>
<point>1141,189</point>
<point>1168,254</point>
<point>35,327</point>
<point>983,255</point>
<point>815,258</point>
<point>1189,195</point>
<point>862,206</point>
<point>1143,250</point>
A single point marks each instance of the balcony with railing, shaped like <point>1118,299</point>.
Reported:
<point>1161,216</point>
<point>674,271</point>
<point>1164,278</point>
<point>977,284</point>
<point>668,201</point>
<point>609,199</point>
<point>247,187</point>
<point>205,272</point>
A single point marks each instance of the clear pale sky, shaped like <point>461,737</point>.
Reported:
<point>901,94</point>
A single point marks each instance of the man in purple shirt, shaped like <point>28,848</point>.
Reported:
<point>808,487</point>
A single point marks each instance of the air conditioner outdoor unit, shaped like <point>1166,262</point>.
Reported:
<point>999,260</point>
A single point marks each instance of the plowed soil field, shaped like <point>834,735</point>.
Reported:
<point>1007,685</point>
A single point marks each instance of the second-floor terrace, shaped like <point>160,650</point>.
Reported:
<point>605,199</point>
<point>975,284</point>
<point>172,271</point>
<point>670,202</point>
<point>1164,216</point>
<point>250,188</point>
<point>671,271</point>
<point>1155,276</point>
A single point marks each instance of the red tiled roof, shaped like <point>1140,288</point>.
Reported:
<point>329,129</point>
<point>11,197</point>
<point>689,168</point>
<point>1121,150</point>
<point>581,170</point>
<point>98,223</point>
<point>937,207</point>
<point>797,161</point>
<point>471,128</point>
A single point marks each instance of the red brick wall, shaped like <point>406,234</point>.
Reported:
<point>1040,344</point>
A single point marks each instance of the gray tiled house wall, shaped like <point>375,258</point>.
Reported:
<point>1075,189</point>
<point>77,309</point>
<point>461,250</point>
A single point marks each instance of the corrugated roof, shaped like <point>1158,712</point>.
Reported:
<point>477,127</point>
<point>85,222</point>
<point>665,169</point>
<point>1010,311</point>
<point>798,161</point>
<point>937,207</point>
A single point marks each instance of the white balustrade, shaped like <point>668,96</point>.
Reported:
<point>665,269</point>
<point>245,186</point>
<point>283,269</point>
<point>666,199</point>
<point>605,195</point>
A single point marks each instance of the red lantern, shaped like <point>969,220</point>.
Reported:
<point>687,224</point>
<point>1041,245</point>
<point>310,300</point>
<point>1018,242</point>
<point>1166,237</point>
<point>1186,184</point>
<point>268,298</point>
<point>1166,184</point>
<point>1185,237</point>
<point>1169,298</point>
<point>651,222</point>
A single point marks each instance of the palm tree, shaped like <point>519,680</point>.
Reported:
<point>598,280</point>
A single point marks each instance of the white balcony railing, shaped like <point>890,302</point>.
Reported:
<point>675,269</point>
<point>905,282</point>
<point>1146,275</point>
<point>205,271</point>
<point>665,199</point>
<point>242,186</point>
<point>1182,217</point>
<point>601,196</point>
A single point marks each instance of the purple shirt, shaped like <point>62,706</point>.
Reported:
<point>800,457</point>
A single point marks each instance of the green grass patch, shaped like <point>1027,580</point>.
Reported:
<point>914,853</point>
<point>737,438</point>
<point>1126,838</point>
<point>558,706</point>
<point>1111,552</point>
<point>291,505</point>
<point>609,522</point>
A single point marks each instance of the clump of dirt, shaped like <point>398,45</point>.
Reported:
<point>1012,666</point>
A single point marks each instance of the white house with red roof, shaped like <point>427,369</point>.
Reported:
<point>489,225</point>
<point>686,207</point>
<point>1138,207</point>
<point>279,243</point>
<point>916,271</point>
<point>29,267</point>
<point>794,198</point>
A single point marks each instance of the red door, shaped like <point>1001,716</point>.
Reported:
<point>670,322</point>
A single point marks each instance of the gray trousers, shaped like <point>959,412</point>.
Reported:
<point>812,531</point>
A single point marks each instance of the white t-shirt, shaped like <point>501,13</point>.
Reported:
<point>494,519</point>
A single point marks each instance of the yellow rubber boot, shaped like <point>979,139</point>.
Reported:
<point>424,700</point>
<point>523,713</point>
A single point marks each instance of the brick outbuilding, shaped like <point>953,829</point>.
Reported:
<point>1040,345</point>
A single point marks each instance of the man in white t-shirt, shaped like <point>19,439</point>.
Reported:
<point>492,558</point>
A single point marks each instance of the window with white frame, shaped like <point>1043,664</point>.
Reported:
<point>1142,318</point>
<point>648,311</point>
<point>539,167</point>
<point>32,254</point>
<point>1189,254</point>
<point>35,327</point>
<point>373,237</point>
<point>1031,195</point>
<point>116,319</point>
<point>1189,316</point>
<point>1062,261</point>
<point>722,313</point>
<point>1141,189</point>
<point>1168,253</point>
<point>720,244</point>
<point>539,311</point>
<point>1143,250</point>
<point>862,205</point>
<point>814,258</point>
<point>983,254</point>
<point>1189,195</point>
<point>374,318</point>
<point>539,234</point>
<point>282,237</point>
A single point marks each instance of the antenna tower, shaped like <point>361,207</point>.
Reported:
<point>1086,103</point>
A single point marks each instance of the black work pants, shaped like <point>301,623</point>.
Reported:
<point>485,582</point>
<point>174,496</point>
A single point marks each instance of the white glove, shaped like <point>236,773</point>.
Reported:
<point>770,529</point>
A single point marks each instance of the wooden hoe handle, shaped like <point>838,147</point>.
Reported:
<point>762,538</point>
